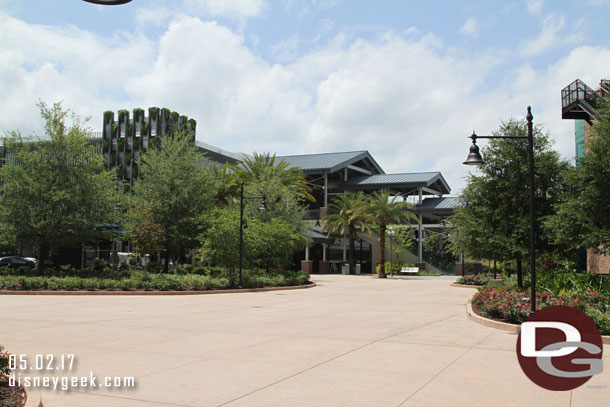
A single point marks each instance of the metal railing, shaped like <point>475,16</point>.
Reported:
<point>578,91</point>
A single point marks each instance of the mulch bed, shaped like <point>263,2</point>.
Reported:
<point>11,396</point>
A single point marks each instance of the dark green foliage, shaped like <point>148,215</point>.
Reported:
<point>494,221</point>
<point>475,279</point>
<point>108,116</point>
<point>583,217</point>
<point>100,276</point>
<point>268,243</point>
<point>59,193</point>
<point>192,125</point>
<point>176,189</point>
<point>145,129</point>
<point>153,112</point>
<point>137,113</point>
<point>123,115</point>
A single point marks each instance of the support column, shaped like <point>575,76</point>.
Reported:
<point>307,265</point>
<point>420,229</point>
<point>420,252</point>
<point>324,264</point>
<point>325,189</point>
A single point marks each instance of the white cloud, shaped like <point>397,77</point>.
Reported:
<point>553,36</point>
<point>535,6</point>
<point>470,27</point>
<point>227,8</point>
<point>408,99</point>
<point>156,15</point>
<point>287,49</point>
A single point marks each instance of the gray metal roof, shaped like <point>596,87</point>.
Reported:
<point>318,237</point>
<point>434,180</point>
<point>218,154</point>
<point>330,162</point>
<point>449,202</point>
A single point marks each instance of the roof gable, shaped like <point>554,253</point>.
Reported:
<point>330,162</point>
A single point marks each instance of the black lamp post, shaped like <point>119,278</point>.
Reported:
<point>474,158</point>
<point>242,224</point>
<point>391,234</point>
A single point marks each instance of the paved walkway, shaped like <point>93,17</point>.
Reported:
<point>351,341</point>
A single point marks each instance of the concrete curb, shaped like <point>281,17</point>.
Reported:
<point>490,322</point>
<point>465,285</point>
<point>186,292</point>
<point>504,325</point>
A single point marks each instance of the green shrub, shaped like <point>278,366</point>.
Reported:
<point>474,279</point>
<point>601,319</point>
<point>125,278</point>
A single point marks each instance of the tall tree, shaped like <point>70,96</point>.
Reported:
<point>346,213</point>
<point>583,217</point>
<point>177,190</point>
<point>225,183</point>
<point>383,209</point>
<point>144,233</point>
<point>493,223</point>
<point>55,191</point>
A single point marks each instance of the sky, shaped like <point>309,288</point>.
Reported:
<point>406,80</point>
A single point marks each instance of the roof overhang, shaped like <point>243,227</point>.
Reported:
<point>402,184</point>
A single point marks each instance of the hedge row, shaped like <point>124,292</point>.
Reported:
<point>147,281</point>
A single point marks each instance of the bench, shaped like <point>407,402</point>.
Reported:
<point>410,270</point>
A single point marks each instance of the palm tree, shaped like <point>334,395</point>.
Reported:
<point>346,213</point>
<point>226,185</point>
<point>264,171</point>
<point>383,209</point>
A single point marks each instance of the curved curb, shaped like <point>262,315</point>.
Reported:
<point>504,326</point>
<point>465,285</point>
<point>490,322</point>
<point>186,292</point>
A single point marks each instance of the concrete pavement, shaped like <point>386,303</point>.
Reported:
<point>351,341</point>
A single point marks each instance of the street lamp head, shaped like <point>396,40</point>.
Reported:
<point>474,156</point>
<point>263,206</point>
<point>391,231</point>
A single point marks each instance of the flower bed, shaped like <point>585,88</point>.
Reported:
<point>10,396</point>
<point>513,306</point>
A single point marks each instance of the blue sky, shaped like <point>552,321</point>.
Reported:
<point>406,80</point>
